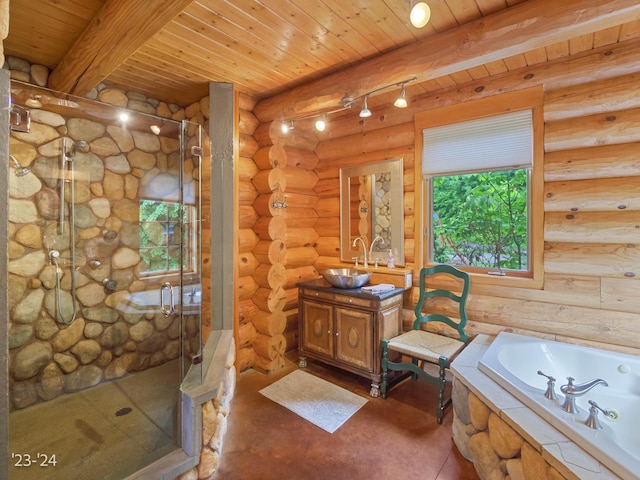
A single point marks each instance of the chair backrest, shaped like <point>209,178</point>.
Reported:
<point>460,299</point>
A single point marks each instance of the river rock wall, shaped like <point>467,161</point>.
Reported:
<point>497,451</point>
<point>112,333</point>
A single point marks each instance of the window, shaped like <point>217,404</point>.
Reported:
<point>481,220</point>
<point>481,183</point>
<point>164,230</point>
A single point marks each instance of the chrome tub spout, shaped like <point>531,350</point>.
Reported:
<point>572,391</point>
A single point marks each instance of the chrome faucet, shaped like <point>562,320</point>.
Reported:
<point>551,383</point>
<point>593,421</point>
<point>365,264</point>
<point>377,239</point>
<point>571,391</point>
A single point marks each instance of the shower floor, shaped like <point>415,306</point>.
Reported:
<point>106,432</point>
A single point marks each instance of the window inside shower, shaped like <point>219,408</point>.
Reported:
<point>166,240</point>
<point>104,236</point>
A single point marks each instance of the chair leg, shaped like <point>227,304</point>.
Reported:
<point>441,386</point>
<point>415,361</point>
<point>385,366</point>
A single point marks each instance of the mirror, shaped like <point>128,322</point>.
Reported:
<point>372,207</point>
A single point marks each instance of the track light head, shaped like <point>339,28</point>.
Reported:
<point>365,112</point>
<point>401,101</point>
<point>285,127</point>
<point>321,124</point>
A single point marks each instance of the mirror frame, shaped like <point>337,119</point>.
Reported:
<point>396,168</point>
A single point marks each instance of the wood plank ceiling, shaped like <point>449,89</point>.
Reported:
<point>171,49</point>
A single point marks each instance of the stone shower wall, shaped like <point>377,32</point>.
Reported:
<point>109,336</point>
<point>215,410</point>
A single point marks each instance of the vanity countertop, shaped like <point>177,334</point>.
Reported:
<point>323,285</point>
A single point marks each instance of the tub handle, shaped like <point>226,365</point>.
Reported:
<point>593,421</point>
<point>551,383</point>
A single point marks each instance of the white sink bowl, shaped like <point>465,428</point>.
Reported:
<point>346,277</point>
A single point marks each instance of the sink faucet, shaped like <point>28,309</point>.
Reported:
<point>572,391</point>
<point>365,264</point>
<point>377,239</point>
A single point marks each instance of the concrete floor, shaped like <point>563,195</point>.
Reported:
<point>106,432</point>
<point>396,438</point>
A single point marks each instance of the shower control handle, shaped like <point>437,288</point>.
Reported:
<point>171,310</point>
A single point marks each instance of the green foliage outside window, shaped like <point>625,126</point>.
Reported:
<point>481,219</point>
<point>161,235</point>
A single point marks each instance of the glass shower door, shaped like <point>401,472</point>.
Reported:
<point>191,286</point>
<point>99,222</point>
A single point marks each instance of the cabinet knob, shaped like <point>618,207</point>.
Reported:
<point>337,334</point>
<point>317,294</point>
<point>351,300</point>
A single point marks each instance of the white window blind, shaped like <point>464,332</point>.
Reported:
<point>498,142</point>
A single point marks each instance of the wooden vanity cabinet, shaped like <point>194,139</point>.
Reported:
<point>344,328</point>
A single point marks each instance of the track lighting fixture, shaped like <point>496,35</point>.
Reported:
<point>286,126</point>
<point>365,112</point>
<point>348,102</point>
<point>321,123</point>
<point>420,14</point>
<point>401,101</point>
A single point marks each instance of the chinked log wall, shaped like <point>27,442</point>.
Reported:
<point>592,197</point>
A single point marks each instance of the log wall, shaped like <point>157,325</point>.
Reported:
<point>591,197</point>
<point>278,209</point>
<point>591,202</point>
<point>244,331</point>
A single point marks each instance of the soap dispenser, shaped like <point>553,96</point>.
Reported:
<point>391,263</point>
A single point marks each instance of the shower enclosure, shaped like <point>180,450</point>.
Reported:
<point>104,285</point>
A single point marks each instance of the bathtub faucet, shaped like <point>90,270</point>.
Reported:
<point>551,383</point>
<point>593,421</point>
<point>571,391</point>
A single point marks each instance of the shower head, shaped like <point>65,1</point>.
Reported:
<point>79,146</point>
<point>20,170</point>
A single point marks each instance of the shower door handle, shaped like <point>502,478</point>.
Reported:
<point>171,310</point>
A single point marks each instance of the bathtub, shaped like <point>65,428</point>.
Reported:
<point>513,361</point>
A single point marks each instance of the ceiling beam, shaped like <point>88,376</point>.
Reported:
<point>115,33</point>
<point>515,30</point>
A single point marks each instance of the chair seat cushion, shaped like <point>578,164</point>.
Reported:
<point>425,345</point>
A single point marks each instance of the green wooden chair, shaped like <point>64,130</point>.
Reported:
<point>422,346</point>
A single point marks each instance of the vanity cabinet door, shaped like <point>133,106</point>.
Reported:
<point>317,327</point>
<point>354,337</point>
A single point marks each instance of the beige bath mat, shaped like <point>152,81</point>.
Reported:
<point>320,402</point>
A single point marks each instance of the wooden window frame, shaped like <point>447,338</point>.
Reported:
<point>530,98</point>
<point>187,250</point>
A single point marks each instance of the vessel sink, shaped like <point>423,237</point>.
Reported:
<point>346,277</point>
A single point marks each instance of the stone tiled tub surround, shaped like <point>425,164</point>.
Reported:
<point>513,361</point>
<point>523,445</point>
